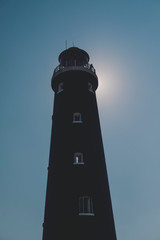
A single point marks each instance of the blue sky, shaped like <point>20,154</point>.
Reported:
<point>122,39</point>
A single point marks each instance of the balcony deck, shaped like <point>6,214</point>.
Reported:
<point>86,68</point>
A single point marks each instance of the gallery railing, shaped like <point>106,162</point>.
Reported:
<point>87,66</point>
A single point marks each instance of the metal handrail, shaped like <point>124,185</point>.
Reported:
<point>88,66</point>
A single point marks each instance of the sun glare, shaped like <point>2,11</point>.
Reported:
<point>108,90</point>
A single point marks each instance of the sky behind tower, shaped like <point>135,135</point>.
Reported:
<point>122,38</point>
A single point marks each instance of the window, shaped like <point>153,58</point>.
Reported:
<point>90,87</point>
<point>92,68</point>
<point>78,158</point>
<point>85,206</point>
<point>60,87</point>
<point>77,118</point>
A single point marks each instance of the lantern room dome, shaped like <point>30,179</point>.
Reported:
<point>73,56</point>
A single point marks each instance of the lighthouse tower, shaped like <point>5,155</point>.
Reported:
<point>78,204</point>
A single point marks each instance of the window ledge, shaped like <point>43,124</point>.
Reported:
<point>60,91</point>
<point>82,163</point>
<point>91,90</point>
<point>76,121</point>
<point>86,214</point>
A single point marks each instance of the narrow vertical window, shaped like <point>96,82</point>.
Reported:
<point>86,206</point>
<point>77,118</point>
<point>90,87</point>
<point>60,87</point>
<point>78,158</point>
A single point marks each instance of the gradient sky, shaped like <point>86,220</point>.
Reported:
<point>123,41</point>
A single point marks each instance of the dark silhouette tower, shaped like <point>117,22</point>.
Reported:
<point>78,203</point>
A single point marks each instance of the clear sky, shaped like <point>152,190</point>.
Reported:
<point>123,41</point>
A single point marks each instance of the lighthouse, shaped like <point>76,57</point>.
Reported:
<point>78,203</point>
